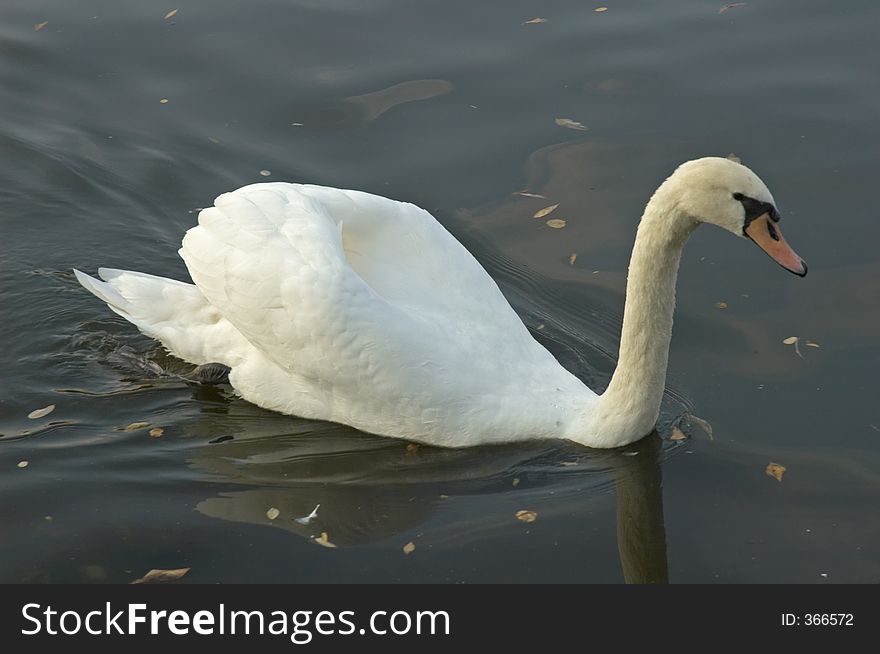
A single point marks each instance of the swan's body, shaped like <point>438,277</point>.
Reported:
<point>349,307</point>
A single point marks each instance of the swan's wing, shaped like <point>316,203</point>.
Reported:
<point>410,259</point>
<point>290,265</point>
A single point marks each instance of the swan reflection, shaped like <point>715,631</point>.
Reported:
<point>369,489</point>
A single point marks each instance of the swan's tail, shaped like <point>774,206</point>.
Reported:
<point>172,312</point>
<point>105,291</point>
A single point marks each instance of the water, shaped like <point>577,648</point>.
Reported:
<point>452,106</point>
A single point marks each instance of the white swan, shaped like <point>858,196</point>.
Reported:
<point>353,308</point>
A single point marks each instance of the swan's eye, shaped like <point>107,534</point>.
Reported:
<point>772,231</point>
<point>739,197</point>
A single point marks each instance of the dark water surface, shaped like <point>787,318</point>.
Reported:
<point>450,105</point>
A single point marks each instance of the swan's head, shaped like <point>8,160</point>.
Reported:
<point>725,193</point>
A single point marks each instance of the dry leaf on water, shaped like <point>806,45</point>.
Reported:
<point>162,575</point>
<point>163,101</point>
<point>526,516</point>
<point>534,21</point>
<point>775,470</point>
<point>527,194</point>
<point>39,413</point>
<point>571,124</point>
<point>273,513</point>
<point>265,173</point>
<point>23,464</point>
<point>40,26</point>
<point>810,343</point>
<point>412,448</point>
<point>515,482</point>
<point>323,540</point>
<point>156,432</point>
<point>572,258</point>
<point>556,223</point>
<point>546,211</point>
<point>732,5</point>
<point>171,14</point>
<point>677,435</point>
<point>409,548</point>
<point>721,305</point>
<point>134,426</point>
<point>600,10</point>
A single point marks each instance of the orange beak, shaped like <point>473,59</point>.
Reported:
<point>766,234</point>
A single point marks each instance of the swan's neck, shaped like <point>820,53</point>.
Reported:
<point>629,407</point>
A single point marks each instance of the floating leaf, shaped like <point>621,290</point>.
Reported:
<point>570,124</point>
<point>155,575</point>
<point>526,516</point>
<point>572,258</point>
<point>534,21</point>
<point>515,482</point>
<point>775,470</point>
<point>308,518</point>
<point>721,305</point>
<point>600,10</point>
<point>409,548</point>
<point>40,26</point>
<point>324,540</point>
<point>556,223</point>
<point>732,5</point>
<point>810,343</point>
<point>265,173</point>
<point>171,14</point>
<point>156,432</point>
<point>39,413</point>
<point>568,464</point>
<point>273,513</point>
<point>530,195</point>
<point>23,464</point>
<point>677,435</point>
<point>412,448</point>
<point>546,211</point>
<point>791,340</point>
<point>134,426</point>
<point>163,101</point>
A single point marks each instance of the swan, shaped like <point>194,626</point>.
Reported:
<point>349,307</point>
